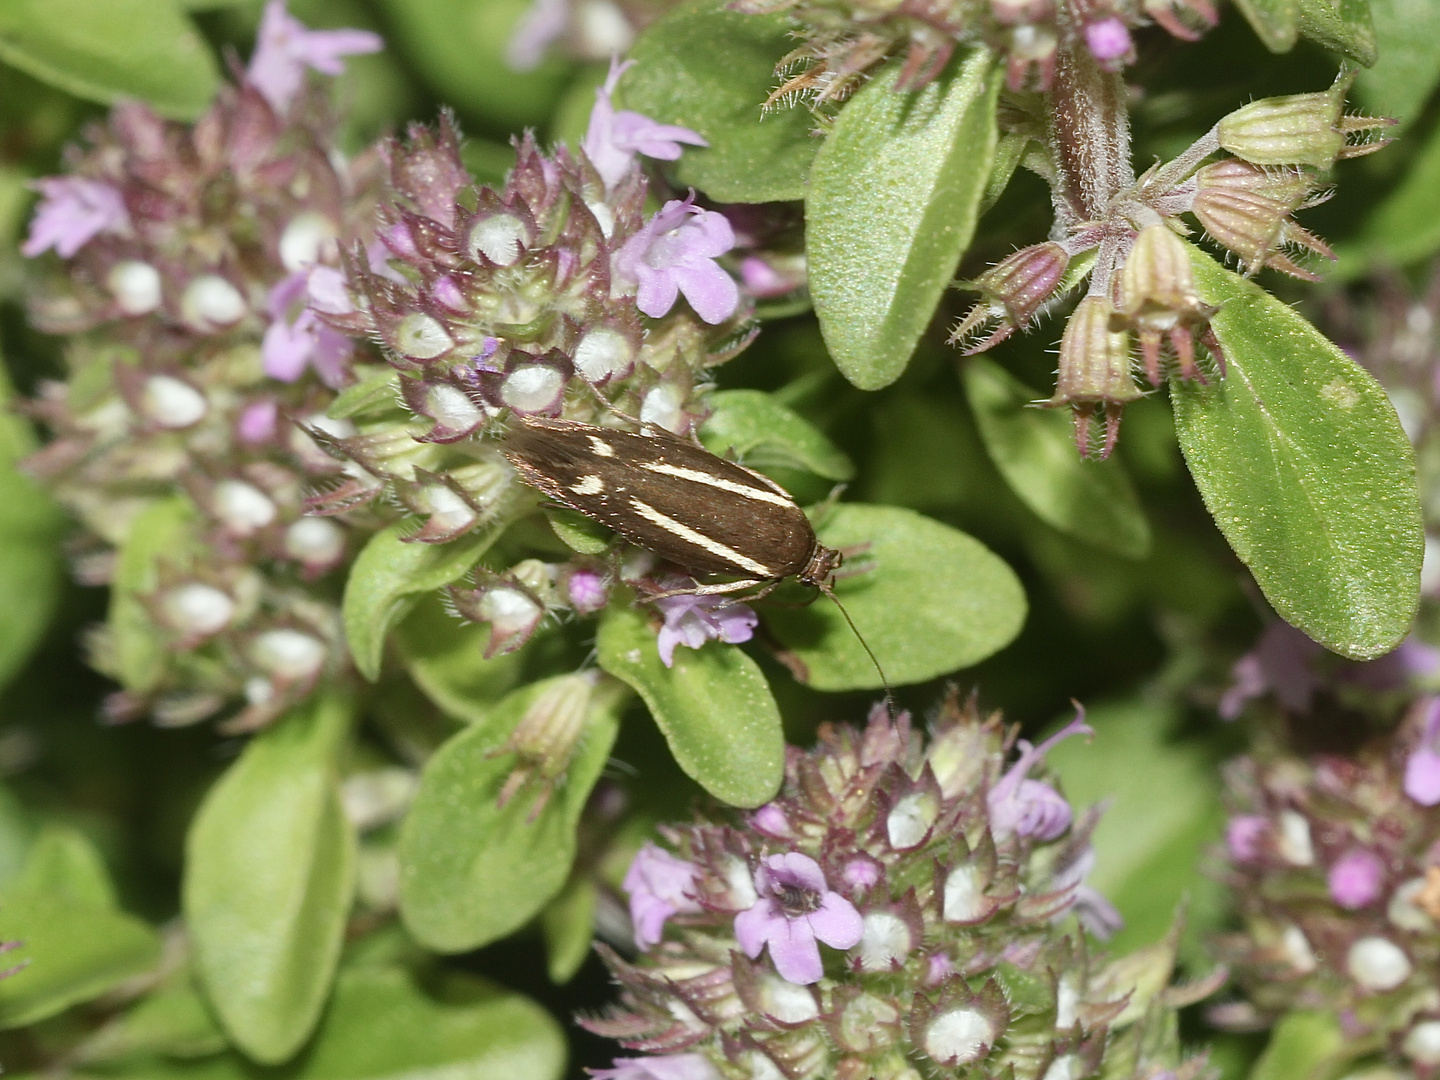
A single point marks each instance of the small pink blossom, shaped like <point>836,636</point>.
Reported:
<point>289,346</point>
<point>1279,663</point>
<point>1032,808</point>
<point>692,620</point>
<point>1356,878</point>
<point>660,1067</point>
<point>586,590</point>
<point>614,138</point>
<point>1245,835</point>
<point>1422,767</point>
<point>770,819</point>
<point>660,885</point>
<point>258,421</point>
<point>794,909</point>
<point>675,253</point>
<point>1109,42</point>
<point>72,212</point>
<point>539,28</point>
<point>286,47</point>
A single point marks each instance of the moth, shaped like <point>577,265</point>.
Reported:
<point>676,499</point>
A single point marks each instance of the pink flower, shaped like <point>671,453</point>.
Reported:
<point>795,908</point>
<point>1422,767</point>
<point>540,27</point>
<point>1109,42</point>
<point>1031,808</point>
<point>614,138</point>
<point>1244,835</point>
<point>72,212</point>
<point>258,421</point>
<point>586,590</point>
<point>1279,664</point>
<point>660,886</point>
<point>1356,878</point>
<point>692,620</point>
<point>675,253</point>
<point>660,1067</point>
<point>288,347</point>
<point>286,47</point>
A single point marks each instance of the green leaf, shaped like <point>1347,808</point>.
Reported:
<point>388,577</point>
<point>1163,814</point>
<point>74,943</point>
<point>105,50</point>
<point>713,706</point>
<point>1404,228</point>
<point>1275,22</point>
<point>893,200</point>
<point>1407,33</point>
<point>569,925</point>
<point>375,388</point>
<point>711,69</point>
<point>1344,27</point>
<point>172,1020</point>
<point>577,532</point>
<point>1301,460</point>
<point>1303,1046</point>
<point>30,564</point>
<point>458,46</point>
<point>161,532</point>
<point>1034,449</point>
<point>270,871</point>
<point>64,864</point>
<point>385,1022</point>
<point>763,433</point>
<point>446,658</point>
<point>928,599</point>
<point>472,871</point>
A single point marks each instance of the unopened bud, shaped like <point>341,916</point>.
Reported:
<point>509,607</point>
<point>664,406</point>
<point>1254,227</point>
<point>499,238</point>
<point>586,591</point>
<point>210,303</point>
<point>197,609</point>
<point>1377,964</point>
<point>959,1036</point>
<point>604,353</point>
<point>288,654</point>
<point>421,337</point>
<point>1289,186</point>
<point>1094,371</point>
<point>242,507</point>
<point>309,236</point>
<point>1157,295</point>
<point>172,402</point>
<point>1012,291</point>
<point>316,542</point>
<point>135,286</point>
<point>1299,129</point>
<point>533,388</point>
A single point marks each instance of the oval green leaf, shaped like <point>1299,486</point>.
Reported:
<point>929,600</point>
<point>1275,22</point>
<point>713,706</point>
<point>1034,449</point>
<point>1408,37</point>
<point>387,579</point>
<point>105,50</point>
<point>711,69</point>
<point>763,433</point>
<point>270,871</point>
<point>63,863</point>
<point>472,871</point>
<point>1301,460</point>
<point>1303,1044</point>
<point>569,926</point>
<point>894,195</point>
<point>1344,27</point>
<point>162,531</point>
<point>446,658</point>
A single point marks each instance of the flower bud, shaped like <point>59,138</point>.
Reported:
<point>1157,295</point>
<point>317,543</point>
<point>309,237</point>
<point>211,303</point>
<point>135,285</point>
<point>289,655</point>
<point>544,741</point>
<point>1094,371</point>
<point>172,402</point>
<point>499,239</point>
<point>605,352</point>
<point>1299,129</point>
<point>242,508</point>
<point>1012,292</point>
<point>421,337</point>
<point>1254,226</point>
<point>511,609</point>
<point>196,609</point>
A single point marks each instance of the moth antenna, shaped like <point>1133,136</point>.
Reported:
<point>889,694</point>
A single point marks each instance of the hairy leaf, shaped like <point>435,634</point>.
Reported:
<point>713,706</point>
<point>1302,462</point>
<point>893,199</point>
<point>1275,22</point>
<point>1408,36</point>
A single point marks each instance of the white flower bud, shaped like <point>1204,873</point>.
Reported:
<point>135,286</point>
<point>1405,913</point>
<point>959,1036</point>
<point>422,337</point>
<point>315,540</point>
<point>449,406</point>
<point>1296,947</point>
<point>885,942</point>
<point>243,507</point>
<point>498,238</point>
<point>509,611</point>
<point>532,387</point>
<point>910,819</point>
<point>288,654</point>
<point>786,1002</point>
<point>306,239</point>
<point>1377,963</point>
<point>1422,1043</point>
<point>603,352</point>
<point>663,406</point>
<point>964,895</point>
<point>1294,843</point>
<point>194,608</point>
<point>1066,1067</point>
<point>172,402</point>
<point>211,303</point>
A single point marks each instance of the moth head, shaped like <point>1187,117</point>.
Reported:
<point>823,562</point>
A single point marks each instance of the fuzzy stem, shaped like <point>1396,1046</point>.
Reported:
<point>1089,135</point>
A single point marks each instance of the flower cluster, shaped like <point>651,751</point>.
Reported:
<point>844,39</point>
<point>179,440</point>
<point>1335,863</point>
<point>1125,233</point>
<point>901,909</point>
<point>551,296</point>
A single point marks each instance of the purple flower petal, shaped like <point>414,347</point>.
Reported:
<point>674,251</point>
<point>286,47</point>
<point>794,952</point>
<point>710,290</point>
<point>836,922</point>
<point>614,138</point>
<point>1356,879</point>
<point>692,620</point>
<point>74,210</point>
<point>1422,776</point>
<point>285,350</point>
<point>752,926</point>
<point>790,870</point>
<point>540,27</point>
<point>1244,835</point>
<point>660,1067</point>
<point>657,292</point>
<point>659,885</point>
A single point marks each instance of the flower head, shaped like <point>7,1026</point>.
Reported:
<point>660,885</point>
<point>675,253</point>
<point>73,211</point>
<point>692,620</point>
<point>286,47</point>
<point>1032,808</point>
<point>614,138</point>
<point>793,909</point>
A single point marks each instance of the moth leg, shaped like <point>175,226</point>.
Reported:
<point>715,590</point>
